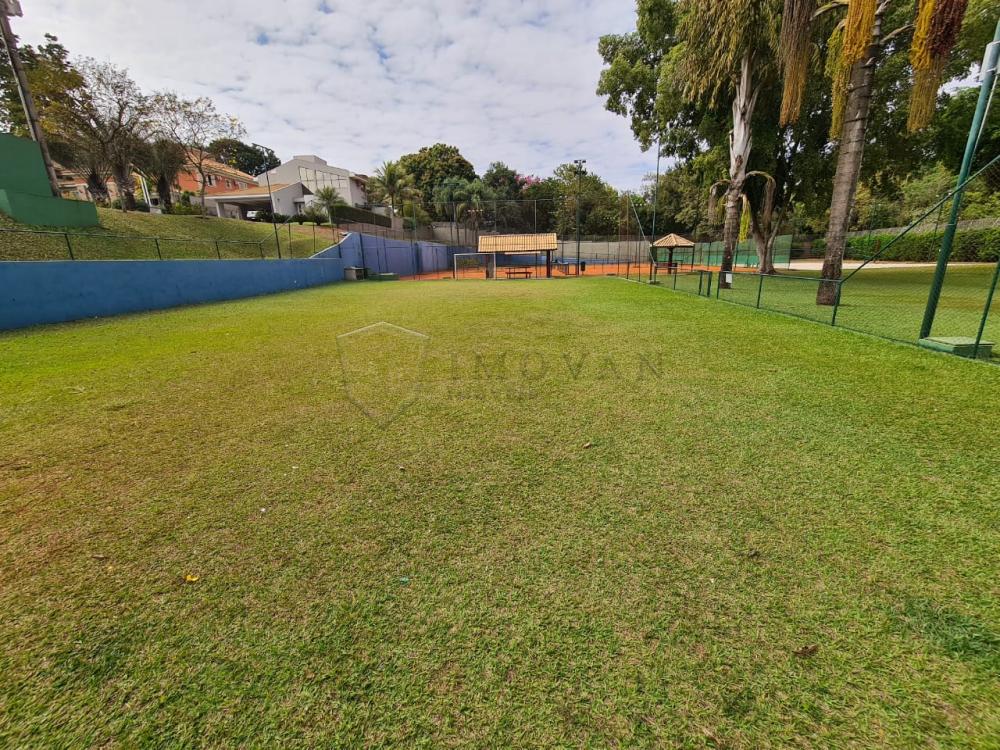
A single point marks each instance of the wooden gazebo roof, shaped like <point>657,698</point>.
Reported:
<point>673,240</point>
<point>518,243</point>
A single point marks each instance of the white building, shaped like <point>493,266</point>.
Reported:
<point>288,199</point>
<point>316,174</point>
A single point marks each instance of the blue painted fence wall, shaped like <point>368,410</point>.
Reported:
<point>383,255</point>
<point>55,291</point>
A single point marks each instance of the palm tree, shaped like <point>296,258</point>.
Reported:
<point>760,224</point>
<point>330,200</point>
<point>472,202</point>
<point>856,50</point>
<point>393,183</point>
<point>160,162</point>
<point>729,46</point>
<point>446,198</point>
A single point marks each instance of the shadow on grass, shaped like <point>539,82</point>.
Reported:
<point>960,636</point>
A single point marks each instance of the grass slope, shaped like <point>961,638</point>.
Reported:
<point>181,237</point>
<point>780,534</point>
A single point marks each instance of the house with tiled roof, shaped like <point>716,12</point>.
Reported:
<point>219,178</point>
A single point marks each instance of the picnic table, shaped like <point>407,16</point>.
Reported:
<point>512,272</point>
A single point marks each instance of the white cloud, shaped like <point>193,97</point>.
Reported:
<point>361,81</point>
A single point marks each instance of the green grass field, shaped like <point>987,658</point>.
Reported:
<point>181,237</point>
<point>886,302</point>
<point>579,513</point>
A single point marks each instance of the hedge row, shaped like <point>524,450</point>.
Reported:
<point>361,216</point>
<point>971,245</point>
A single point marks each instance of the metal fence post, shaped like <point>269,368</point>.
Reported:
<point>218,252</point>
<point>986,310</point>
<point>69,245</point>
<point>760,288</point>
<point>988,75</point>
<point>260,247</point>
<point>836,303</point>
<point>158,253</point>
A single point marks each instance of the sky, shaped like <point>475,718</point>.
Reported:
<point>358,82</point>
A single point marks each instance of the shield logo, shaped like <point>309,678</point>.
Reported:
<point>381,367</point>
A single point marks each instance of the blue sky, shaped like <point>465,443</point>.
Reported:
<point>361,81</point>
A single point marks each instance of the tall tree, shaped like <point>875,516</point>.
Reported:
<point>392,182</point>
<point>161,161</point>
<point>330,200</point>
<point>245,157</point>
<point>51,75</point>
<point>446,197</point>
<point>729,49</point>
<point>195,124</point>
<point>503,181</point>
<point>598,203</point>
<point>432,165</point>
<point>871,32</point>
<point>107,121</point>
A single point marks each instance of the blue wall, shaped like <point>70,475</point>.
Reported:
<point>55,291</point>
<point>402,257</point>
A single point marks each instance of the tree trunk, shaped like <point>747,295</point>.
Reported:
<point>163,190</point>
<point>765,250</point>
<point>97,186</point>
<point>204,187</point>
<point>740,140</point>
<point>126,191</point>
<point>845,181</point>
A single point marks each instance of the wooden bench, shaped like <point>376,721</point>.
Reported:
<point>512,272</point>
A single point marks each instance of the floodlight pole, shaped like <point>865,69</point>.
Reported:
<point>27,101</point>
<point>656,190</point>
<point>579,174</point>
<point>270,197</point>
<point>652,231</point>
<point>988,73</point>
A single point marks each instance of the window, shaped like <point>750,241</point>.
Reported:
<point>211,180</point>
<point>229,183</point>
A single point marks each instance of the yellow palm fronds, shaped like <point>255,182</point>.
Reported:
<point>937,25</point>
<point>794,49</point>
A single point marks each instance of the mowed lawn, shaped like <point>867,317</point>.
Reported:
<point>886,302</point>
<point>578,513</point>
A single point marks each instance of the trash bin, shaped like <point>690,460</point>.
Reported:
<point>583,266</point>
<point>351,273</point>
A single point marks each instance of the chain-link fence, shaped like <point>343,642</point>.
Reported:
<point>280,241</point>
<point>885,291</point>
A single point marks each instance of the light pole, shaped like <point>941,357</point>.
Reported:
<point>579,173</point>
<point>267,179</point>
<point>13,8</point>
<point>652,235</point>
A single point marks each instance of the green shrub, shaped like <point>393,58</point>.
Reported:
<point>971,245</point>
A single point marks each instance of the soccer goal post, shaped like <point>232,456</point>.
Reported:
<point>474,266</point>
